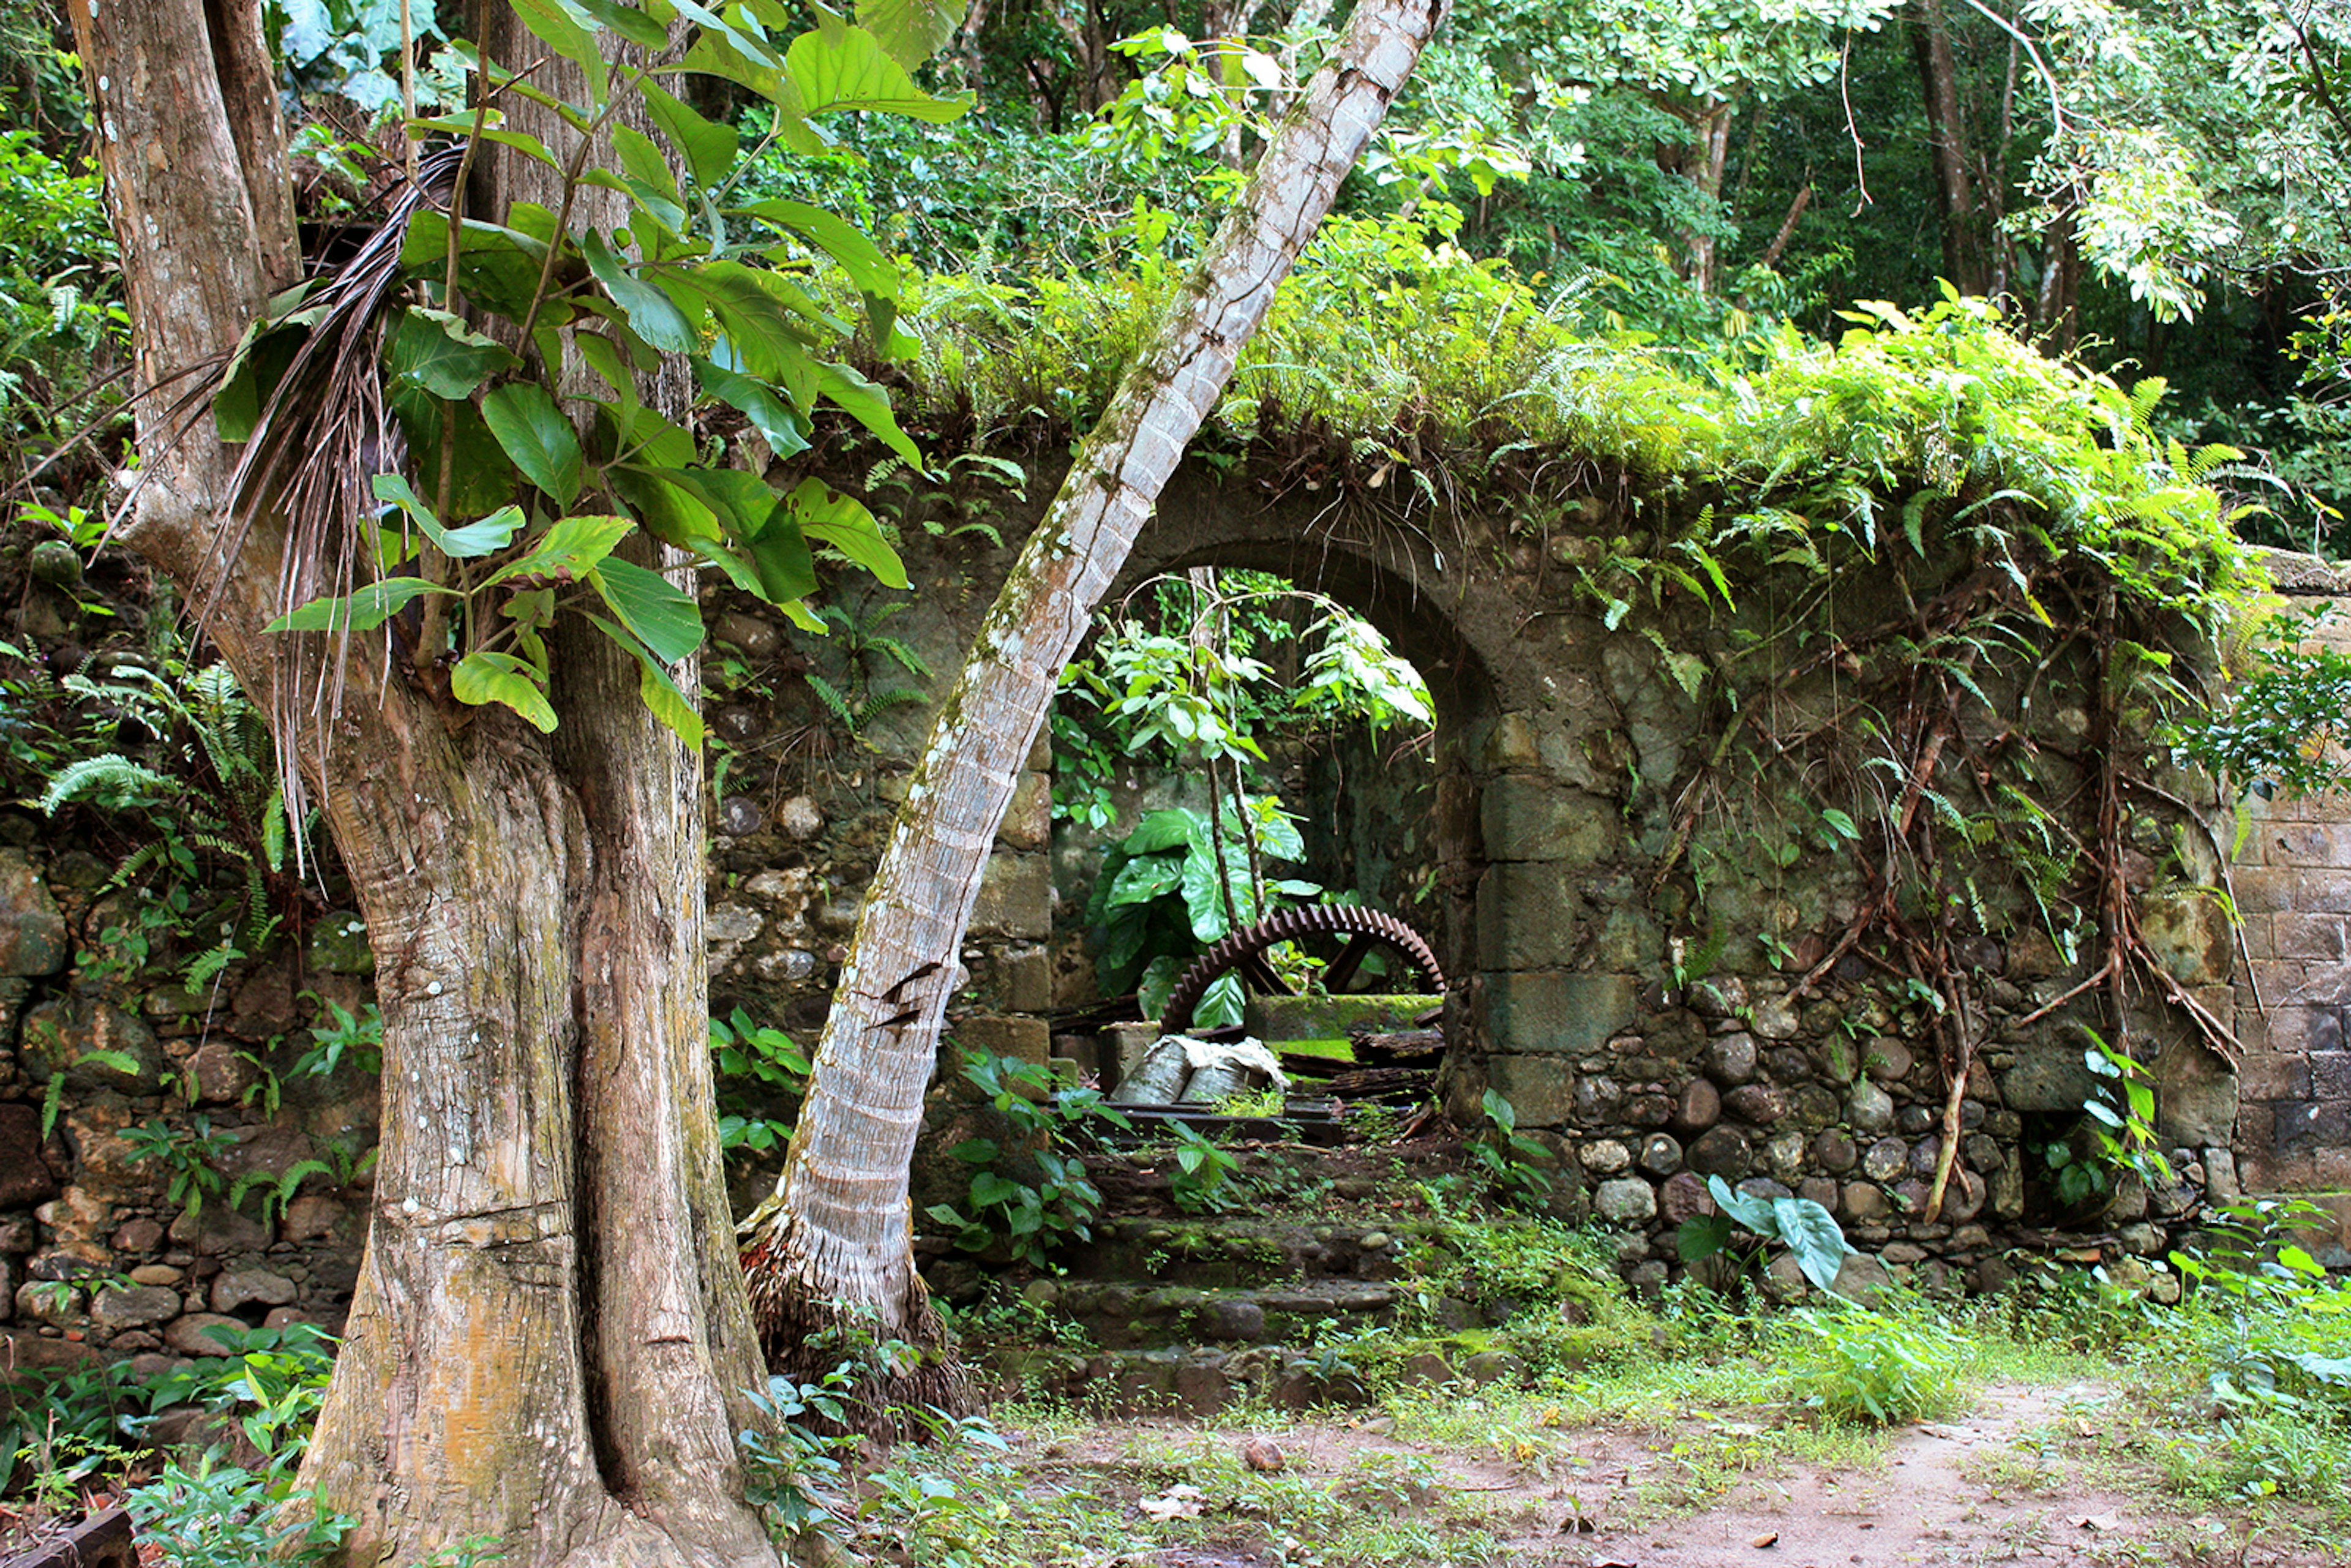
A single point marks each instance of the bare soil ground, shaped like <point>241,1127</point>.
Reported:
<point>2035,1476</point>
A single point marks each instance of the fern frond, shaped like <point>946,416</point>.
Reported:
<point>110,779</point>
<point>833,699</point>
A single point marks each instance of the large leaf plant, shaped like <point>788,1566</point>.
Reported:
<point>512,347</point>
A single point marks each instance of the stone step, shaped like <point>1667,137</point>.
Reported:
<point>1243,1250</point>
<point>1123,1316</point>
<point>1197,1380</point>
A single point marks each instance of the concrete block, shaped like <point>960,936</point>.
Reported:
<point>2265,890</point>
<point>1028,820</point>
<point>1554,1012</point>
<point>2272,1077</point>
<point>2189,936</point>
<point>2048,1075</point>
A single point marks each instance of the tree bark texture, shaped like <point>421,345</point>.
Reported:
<point>1947,140</point>
<point>549,1340</point>
<point>837,1236</point>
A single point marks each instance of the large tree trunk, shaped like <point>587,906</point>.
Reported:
<point>549,1341</point>
<point>838,1237</point>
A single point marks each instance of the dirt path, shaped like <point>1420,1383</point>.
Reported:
<point>2026,1477</point>
<point>1974,1491</point>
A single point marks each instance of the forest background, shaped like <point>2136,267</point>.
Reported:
<point>2158,190</point>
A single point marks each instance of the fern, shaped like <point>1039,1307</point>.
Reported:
<point>833,699</point>
<point>110,780</point>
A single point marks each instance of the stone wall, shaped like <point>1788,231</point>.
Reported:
<point>1625,982</point>
<point>96,1254</point>
<point>2291,881</point>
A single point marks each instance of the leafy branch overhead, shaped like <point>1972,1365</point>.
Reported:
<point>503,354</point>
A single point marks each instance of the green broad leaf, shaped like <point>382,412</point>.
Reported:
<point>1702,1236</point>
<point>661,614</point>
<point>1279,836</point>
<point>870,406</point>
<point>485,537</point>
<point>652,315</point>
<point>838,70</point>
<point>912,31</point>
<point>1813,1235</point>
<point>663,698</point>
<point>1754,1213</point>
<point>631,24</point>
<point>497,267</point>
<point>859,257</point>
<point>481,480</point>
<point>437,353</point>
<point>976,1151</point>
<point>571,32</point>
<point>829,516</point>
<point>363,610</point>
<point>667,510</point>
<point>1221,1005</point>
<point>604,357</point>
<point>989,1189</point>
<point>779,555</point>
<point>569,548</point>
<point>262,356</point>
<point>709,149</point>
<point>522,141</point>
<point>642,161</point>
<point>776,422</point>
<point>480,678</point>
<point>768,342</point>
<point>1204,896</point>
<point>1164,829</point>
<point>537,436</point>
<point>1144,878</point>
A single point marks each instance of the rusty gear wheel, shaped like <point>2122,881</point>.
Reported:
<point>1243,951</point>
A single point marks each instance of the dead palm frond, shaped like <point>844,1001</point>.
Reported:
<point>324,431</point>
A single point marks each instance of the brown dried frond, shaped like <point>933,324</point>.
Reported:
<point>323,434</point>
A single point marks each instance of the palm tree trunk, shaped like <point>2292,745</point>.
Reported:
<point>836,1240</point>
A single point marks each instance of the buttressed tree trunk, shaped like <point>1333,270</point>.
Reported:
<point>549,1340</point>
<point>837,1236</point>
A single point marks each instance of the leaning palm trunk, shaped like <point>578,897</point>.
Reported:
<point>837,1239</point>
<point>549,1341</point>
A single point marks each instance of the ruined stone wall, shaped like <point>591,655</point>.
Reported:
<point>2291,883</point>
<point>1640,1023</point>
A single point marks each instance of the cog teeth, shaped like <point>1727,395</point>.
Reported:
<point>1320,919</point>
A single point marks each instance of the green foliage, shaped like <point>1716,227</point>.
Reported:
<point>1808,1230</point>
<point>2282,1317</point>
<point>1202,1181</point>
<point>2275,726</point>
<point>531,519</point>
<point>210,794</point>
<point>1176,884</point>
<point>762,1078</point>
<point>192,1155</point>
<point>215,1515</point>
<point>59,311</point>
<point>1028,1191</point>
<point>1510,1161</point>
<point>1854,1363</point>
<point>336,1034</point>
